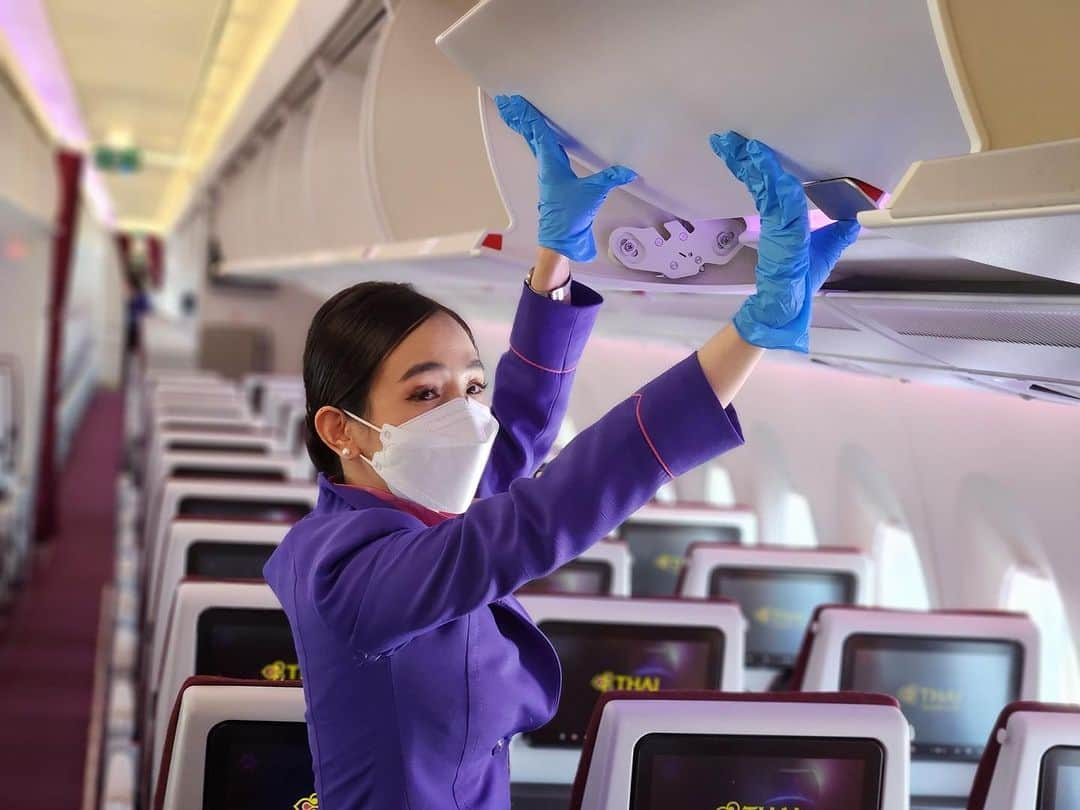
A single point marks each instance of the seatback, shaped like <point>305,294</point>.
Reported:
<point>1032,760</point>
<point>256,386</point>
<point>711,749</point>
<point>208,465</point>
<point>187,441</point>
<point>952,672</point>
<point>212,549</point>
<point>220,628</point>
<point>778,589</point>
<point>236,741</point>
<point>224,500</point>
<point>659,535</point>
<point>607,644</point>
<point>603,570</point>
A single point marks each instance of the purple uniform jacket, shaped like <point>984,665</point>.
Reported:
<point>418,663</point>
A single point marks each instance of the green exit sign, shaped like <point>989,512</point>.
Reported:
<point>108,159</point>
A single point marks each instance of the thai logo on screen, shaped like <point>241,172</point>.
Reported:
<point>929,698</point>
<point>307,803</point>
<point>280,671</point>
<point>781,618</point>
<point>766,806</point>
<point>672,563</point>
<point>608,681</point>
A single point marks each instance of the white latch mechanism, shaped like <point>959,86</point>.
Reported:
<point>684,252</point>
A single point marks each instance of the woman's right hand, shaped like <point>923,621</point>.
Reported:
<point>568,203</point>
<point>792,262</point>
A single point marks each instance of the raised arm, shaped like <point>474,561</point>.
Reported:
<point>533,382</point>
<point>380,579</point>
<point>534,377</point>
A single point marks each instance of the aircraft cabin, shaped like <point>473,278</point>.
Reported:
<point>540,405</point>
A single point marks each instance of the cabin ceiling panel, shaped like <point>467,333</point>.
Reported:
<point>160,75</point>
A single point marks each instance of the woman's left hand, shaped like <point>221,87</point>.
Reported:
<point>568,203</point>
<point>792,263</point>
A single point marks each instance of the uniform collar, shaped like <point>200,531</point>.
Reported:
<point>368,498</point>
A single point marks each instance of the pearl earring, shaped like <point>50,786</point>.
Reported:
<point>345,452</point>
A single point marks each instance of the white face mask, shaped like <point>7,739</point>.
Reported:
<point>437,458</point>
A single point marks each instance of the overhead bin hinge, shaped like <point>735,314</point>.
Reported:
<point>684,252</point>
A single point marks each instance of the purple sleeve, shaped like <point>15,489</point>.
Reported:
<point>380,579</point>
<point>533,382</point>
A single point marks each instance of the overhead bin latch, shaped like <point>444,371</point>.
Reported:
<point>683,252</point>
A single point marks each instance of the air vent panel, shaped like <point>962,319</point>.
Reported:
<point>1032,326</point>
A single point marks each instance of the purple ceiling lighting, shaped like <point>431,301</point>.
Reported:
<point>25,26</point>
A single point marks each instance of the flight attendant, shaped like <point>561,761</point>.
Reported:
<point>418,663</point>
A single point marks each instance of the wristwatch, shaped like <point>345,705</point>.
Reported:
<point>558,294</point>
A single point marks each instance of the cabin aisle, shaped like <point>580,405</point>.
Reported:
<point>47,649</point>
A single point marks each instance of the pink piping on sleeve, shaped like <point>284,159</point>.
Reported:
<point>645,434</point>
<point>543,368</point>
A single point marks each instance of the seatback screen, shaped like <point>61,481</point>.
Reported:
<point>591,577</point>
<point>251,643</point>
<point>951,690</point>
<point>194,445</point>
<point>270,511</point>
<point>659,552</point>
<point>192,423</point>
<point>258,764</point>
<point>778,605</point>
<point>220,560</point>
<point>1059,779</point>
<point>225,473</point>
<point>598,658</point>
<point>710,771</point>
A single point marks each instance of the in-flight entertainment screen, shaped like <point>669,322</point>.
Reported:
<point>778,604</point>
<point>245,643</point>
<point>221,560</point>
<point>590,577</point>
<point>731,772</point>
<point>1059,779</point>
<point>258,764</point>
<point>240,509</point>
<point>598,658</point>
<point>659,552</point>
<point>950,689</point>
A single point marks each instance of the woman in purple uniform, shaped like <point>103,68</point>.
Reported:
<point>419,664</point>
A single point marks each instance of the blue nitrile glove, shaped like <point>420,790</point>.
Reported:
<point>568,203</point>
<point>792,262</point>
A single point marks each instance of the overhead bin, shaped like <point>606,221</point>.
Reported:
<point>409,171</point>
<point>295,230</point>
<point>1014,208</point>
<point>337,187</point>
<point>27,193</point>
<point>395,170</point>
<point>839,89</point>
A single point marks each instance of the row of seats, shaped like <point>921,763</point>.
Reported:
<point>722,618</point>
<point>216,475</point>
<point>736,752</point>
<point>15,494</point>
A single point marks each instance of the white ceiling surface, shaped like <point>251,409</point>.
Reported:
<point>138,68</point>
<point>165,77</point>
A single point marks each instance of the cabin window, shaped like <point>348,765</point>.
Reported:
<point>718,488</point>
<point>901,581</point>
<point>798,521</point>
<point>667,493</point>
<point>1028,591</point>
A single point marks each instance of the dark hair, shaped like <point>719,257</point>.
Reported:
<point>347,341</point>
